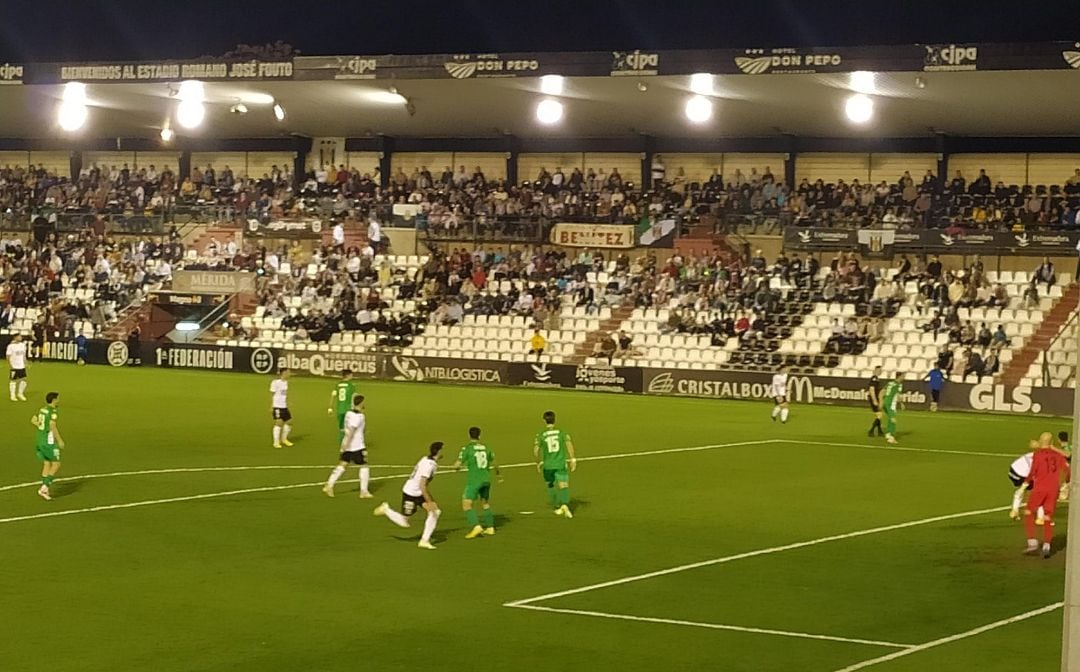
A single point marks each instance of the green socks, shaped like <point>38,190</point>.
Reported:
<point>470,517</point>
<point>489,518</point>
<point>563,496</point>
<point>46,480</point>
<point>553,495</point>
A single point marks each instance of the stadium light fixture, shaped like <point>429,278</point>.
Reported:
<point>549,111</point>
<point>701,83</point>
<point>551,85</point>
<point>73,110</point>
<point>279,112</point>
<point>699,109</point>
<point>859,108</point>
<point>862,81</point>
<point>191,112</point>
<point>187,325</point>
<point>166,132</point>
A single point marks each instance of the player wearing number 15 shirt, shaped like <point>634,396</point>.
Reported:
<point>554,452</point>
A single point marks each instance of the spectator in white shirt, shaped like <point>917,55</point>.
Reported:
<point>339,234</point>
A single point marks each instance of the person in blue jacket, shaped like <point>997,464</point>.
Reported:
<point>937,381</point>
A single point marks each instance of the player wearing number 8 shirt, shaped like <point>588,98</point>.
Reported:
<point>554,452</point>
<point>341,401</point>
<point>479,461</point>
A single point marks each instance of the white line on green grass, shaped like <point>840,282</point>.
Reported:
<point>753,554</point>
<point>894,447</point>
<point>953,638</point>
<point>273,488</point>
<point>717,626</point>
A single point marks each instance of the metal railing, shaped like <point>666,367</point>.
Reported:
<point>1044,364</point>
<point>486,230</point>
<point>71,222</point>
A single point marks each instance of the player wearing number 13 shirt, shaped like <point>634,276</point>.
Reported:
<point>554,452</point>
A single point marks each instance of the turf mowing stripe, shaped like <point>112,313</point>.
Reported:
<point>716,626</point>
<point>953,638</point>
<point>897,448</point>
<point>752,554</point>
<point>191,470</point>
<point>273,488</point>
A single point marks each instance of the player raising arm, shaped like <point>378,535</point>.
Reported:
<point>554,451</point>
<point>16,356</point>
<point>416,494</point>
<point>279,408</point>
<point>353,449</point>
<point>479,462</point>
<point>48,442</point>
<point>341,398</point>
<point>1047,466</point>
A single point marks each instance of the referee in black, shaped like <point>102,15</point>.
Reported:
<point>873,390</point>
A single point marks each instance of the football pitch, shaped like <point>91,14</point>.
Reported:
<point>705,538</point>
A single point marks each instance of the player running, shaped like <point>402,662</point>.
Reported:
<point>353,449</point>
<point>341,397</point>
<point>416,494</point>
<point>778,392</point>
<point>279,407</point>
<point>1021,468</point>
<point>479,461</point>
<point>892,405</point>
<point>557,453</point>
<point>48,442</point>
<point>16,356</point>
<point>873,395</point>
<point>1047,466</point>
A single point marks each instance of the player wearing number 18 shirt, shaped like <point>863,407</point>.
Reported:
<point>353,449</point>
<point>416,494</point>
<point>479,462</point>
<point>778,392</point>
<point>554,452</point>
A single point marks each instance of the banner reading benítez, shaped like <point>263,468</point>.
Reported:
<point>593,235</point>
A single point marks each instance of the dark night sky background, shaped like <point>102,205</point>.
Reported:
<point>73,30</point>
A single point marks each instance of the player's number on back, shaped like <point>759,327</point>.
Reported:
<point>342,394</point>
<point>481,459</point>
<point>553,444</point>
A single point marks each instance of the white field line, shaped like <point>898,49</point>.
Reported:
<point>904,449</point>
<point>273,488</point>
<point>952,638</point>
<point>716,626</point>
<point>753,554</point>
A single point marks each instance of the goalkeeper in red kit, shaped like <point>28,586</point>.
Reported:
<point>1047,465</point>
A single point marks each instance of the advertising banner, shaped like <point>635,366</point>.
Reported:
<point>360,364</point>
<point>11,73</point>
<point>207,70</point>
<point>878,242</point>
<point>593,235</point>
<point>283,228</point>
<point>442,370</point>
<point>226,282</point>
<point>601,378</point>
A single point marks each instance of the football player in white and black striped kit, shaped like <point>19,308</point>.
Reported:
<point>779,394</point>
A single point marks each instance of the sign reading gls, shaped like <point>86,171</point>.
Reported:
<point>990,397</point>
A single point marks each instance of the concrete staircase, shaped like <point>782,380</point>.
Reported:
<point>585,349</point>
<point>1059,314</point>
<point>119,330</point>
<point>701,240</point>
<point>222,234</point>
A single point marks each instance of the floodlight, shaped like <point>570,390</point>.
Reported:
<point>549,111</point>
<point>699,109</point>
<point>551,85</point>
<point>859,108</point>
<point>701,83</point>
<point>862,81</point>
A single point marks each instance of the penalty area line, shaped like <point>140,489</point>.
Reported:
<point>714,626</point>
<point>952,638</point>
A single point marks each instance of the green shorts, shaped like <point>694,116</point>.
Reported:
<point>48,453</point>
<point>553,476</point>
<point>477,491</point>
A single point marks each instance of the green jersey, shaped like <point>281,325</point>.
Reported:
<point>892,396</point>
<point>343,394</point>
<point>478,460</point>
<point>553,448</point>
<point>45,417</point>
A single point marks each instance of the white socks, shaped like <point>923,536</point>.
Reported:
<point>365,478</point>
<point>285,431</point>
<point>277,434</point>
<point>1018,496</point>
<point>775,412</point>
<point>429,525</point>
<point>11,386</point>
<point>396,518</point>
<point>783,415</point>
<point>334,476</point>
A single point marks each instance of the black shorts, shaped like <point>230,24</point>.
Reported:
<point>357,457</point>
<point>411,504</point>
<point>1017,479</point>
<point>779,400</point>
<point>875,408</point>
<point>18,374</point>
<point>282,414</point>
<point>935,395</point>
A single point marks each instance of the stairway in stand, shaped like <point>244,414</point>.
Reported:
<point>701,240</point>
<point>222,234</point>
<point>119,330</point>
<point>584,350</point>
<point>1040,340</point>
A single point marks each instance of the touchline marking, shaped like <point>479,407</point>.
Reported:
<point>273,488</point>
<point>753,554</point>
<point>716,626</point>
<point>952,638</point>
<point>906,449</point>
<point>190,470</point>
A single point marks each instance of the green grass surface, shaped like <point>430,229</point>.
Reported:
<point>289,579</point>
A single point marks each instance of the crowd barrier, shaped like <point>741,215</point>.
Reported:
<point>803,389</point>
